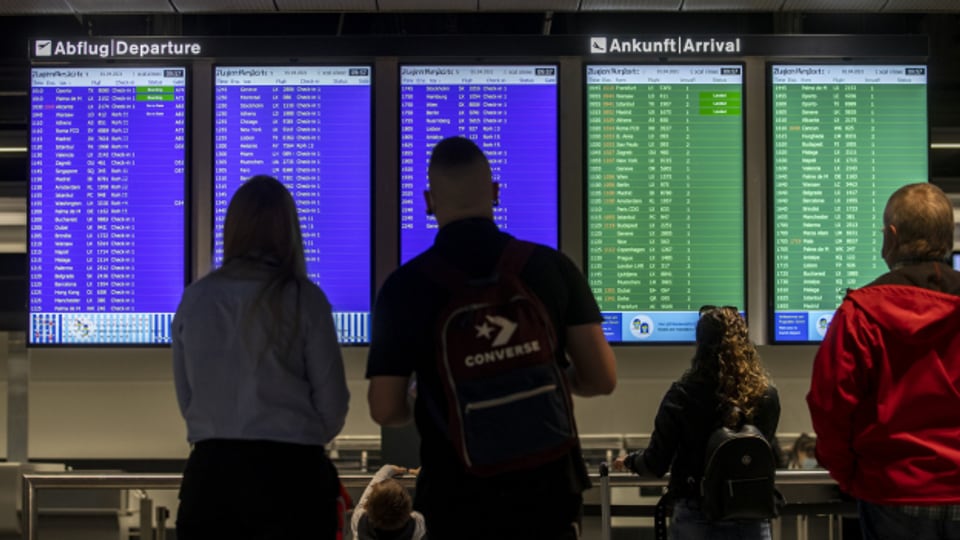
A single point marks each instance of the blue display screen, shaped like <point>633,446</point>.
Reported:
<point>511,113</point>
<point>308,126</point>
<point>106,212</point>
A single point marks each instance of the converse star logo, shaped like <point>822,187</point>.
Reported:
<point>507,328</point>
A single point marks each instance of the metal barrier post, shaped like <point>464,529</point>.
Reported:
<point>146,518</point>
<point>162,515</point>
<point>605,531</point>
<point>29,509</point>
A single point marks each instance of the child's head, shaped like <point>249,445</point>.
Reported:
<point>388,505</point>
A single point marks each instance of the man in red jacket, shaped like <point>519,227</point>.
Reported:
<point>885,392</point>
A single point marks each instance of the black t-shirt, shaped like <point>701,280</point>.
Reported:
<point>403,342</point>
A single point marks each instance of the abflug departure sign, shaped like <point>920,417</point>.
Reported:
<point>114,48</point>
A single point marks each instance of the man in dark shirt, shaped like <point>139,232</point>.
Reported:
<point>540,502</point>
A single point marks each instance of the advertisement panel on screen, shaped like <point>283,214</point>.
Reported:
<point>511,113</point>
<point>665,199</point>
<point>844,138</point>
<point>106,204</point>
<point>309,127</point>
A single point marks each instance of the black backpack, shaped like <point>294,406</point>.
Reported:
<point>508,404</point>
<point>739,477</point>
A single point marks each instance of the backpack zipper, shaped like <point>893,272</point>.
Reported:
<point>496,402</point>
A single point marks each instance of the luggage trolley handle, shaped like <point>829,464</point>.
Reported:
<point>605,532</point>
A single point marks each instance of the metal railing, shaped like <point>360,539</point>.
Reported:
<point>33,482</point>
<point>75,480</point>
<point>71,480</point>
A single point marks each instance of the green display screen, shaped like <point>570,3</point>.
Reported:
<point>844,138</point>
<point>664,196</point>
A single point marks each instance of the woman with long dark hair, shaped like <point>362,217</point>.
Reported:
<point>725,386</point>
<point>260,382</point>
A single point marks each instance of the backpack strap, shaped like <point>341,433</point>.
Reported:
<point>515,256</point>
<point>512,260</point>
<point>443,272</point>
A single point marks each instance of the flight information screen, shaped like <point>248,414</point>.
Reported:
<point>309,127</point>
<point>106,204</point>
<point>511,113</point>
<point>665,200</point>
<point>844,138</point>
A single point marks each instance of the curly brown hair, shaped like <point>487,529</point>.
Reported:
<point>726,357</point>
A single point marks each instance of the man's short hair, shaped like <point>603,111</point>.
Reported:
<point>455,153</point>
<point>923,217</point>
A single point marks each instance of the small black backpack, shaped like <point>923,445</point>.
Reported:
<point>738,480</point>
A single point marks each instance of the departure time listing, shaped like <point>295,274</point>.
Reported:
<point>107,186</point>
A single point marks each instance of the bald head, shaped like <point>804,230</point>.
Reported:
<point>461,184</point>
<point>918,224</point>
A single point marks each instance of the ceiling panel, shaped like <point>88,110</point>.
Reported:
<point>427,5</point>
<point>732,5</point>
<point>926,6</point>
<point>630,5</point>
<point>848,6</point>
<point>222,6</point>
<point>121,6</point>
<point>326,5</point>
<point>34,7</point>
<point>529,5</point>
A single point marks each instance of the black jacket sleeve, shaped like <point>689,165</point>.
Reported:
<point>768,415</point>
<point>665,439</point>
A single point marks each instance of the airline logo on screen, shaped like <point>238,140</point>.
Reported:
<point>115,48</point>
<point>670,45</point>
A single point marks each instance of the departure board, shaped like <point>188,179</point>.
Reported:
<point>511,113</point>
<point>844,138</point>
<point>309,127</point>
<point>664,196</point>
<point>106,204</point>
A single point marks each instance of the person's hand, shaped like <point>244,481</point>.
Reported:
<point>414,472</point>
<point>619,464</point>
<point>400,471</point>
